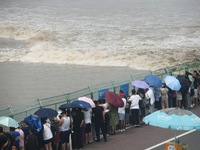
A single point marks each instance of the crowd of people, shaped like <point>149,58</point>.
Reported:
<point>75,128</point>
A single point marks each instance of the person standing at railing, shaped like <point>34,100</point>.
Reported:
<point>78,123</point>
<point>135,117</point>
<point>196,86</point>
<point>47,135</point>
<point>99,120</point>
<point>164,96</point>
<point>21,140</point>
<point>151,99</point>
<point>113,116</point>
<point>87,119</point>
<point>65,130</point>
<point>121,112</point>
<point>4,141</point>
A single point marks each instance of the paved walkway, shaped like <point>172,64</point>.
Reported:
<point>144,137</point>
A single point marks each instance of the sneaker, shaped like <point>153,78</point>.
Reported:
<point>191,106</point>
<point>105,140</point>
<point>123,130</point>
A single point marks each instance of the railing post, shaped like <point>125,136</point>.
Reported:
<point>39,103</point>
<point>91,94</point>
<point>112,82</point>
<point>67,97</point>
<point>132,77</point>
<point>150,72</point>
<point>11,112</point>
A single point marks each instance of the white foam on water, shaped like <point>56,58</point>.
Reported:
<point>139,34</point>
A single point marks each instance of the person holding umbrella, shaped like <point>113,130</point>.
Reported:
<point>113,116</point>
<point>114,101</point>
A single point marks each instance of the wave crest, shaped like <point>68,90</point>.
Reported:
<point>62,48</point>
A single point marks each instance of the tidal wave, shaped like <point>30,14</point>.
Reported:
<point>139,34</point>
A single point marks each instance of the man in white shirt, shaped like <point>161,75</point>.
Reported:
<point>150,96</point>
<point>134,99</point>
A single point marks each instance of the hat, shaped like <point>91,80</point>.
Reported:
<point>121,95</point>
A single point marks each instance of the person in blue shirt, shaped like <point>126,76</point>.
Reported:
<point>16,137</point>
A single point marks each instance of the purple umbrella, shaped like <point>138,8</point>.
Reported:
<point>140,84</point>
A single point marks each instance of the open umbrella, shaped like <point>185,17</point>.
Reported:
<point>114,99</point>
<point>88,100</point>
<point>83,104</point>
<point>173,118</point>
<point>34,122</point>
<point>153,80</point>
<point>140,84</point>
<point>46,112</point>
<point>8,122</point>
<point>172,83</point>
<point>69,105</point>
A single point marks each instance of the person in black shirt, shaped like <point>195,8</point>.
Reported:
<point>78,122</point>
<point>99,118</point>
<point>4,142</point>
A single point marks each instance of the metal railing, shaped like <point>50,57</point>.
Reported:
<point>19,112</point>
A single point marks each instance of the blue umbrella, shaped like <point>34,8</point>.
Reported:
<point>153,80</point>
<point>81,103</point>
<point>46,112</point>
<point>140,84</point>
<point>34,122</point>
<point>69,105</point>
<point>172,83</point>
<point>173,118</point>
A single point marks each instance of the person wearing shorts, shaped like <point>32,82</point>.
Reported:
<point>47,136</point>
<point>87,118</point>
<point>65,130</point>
